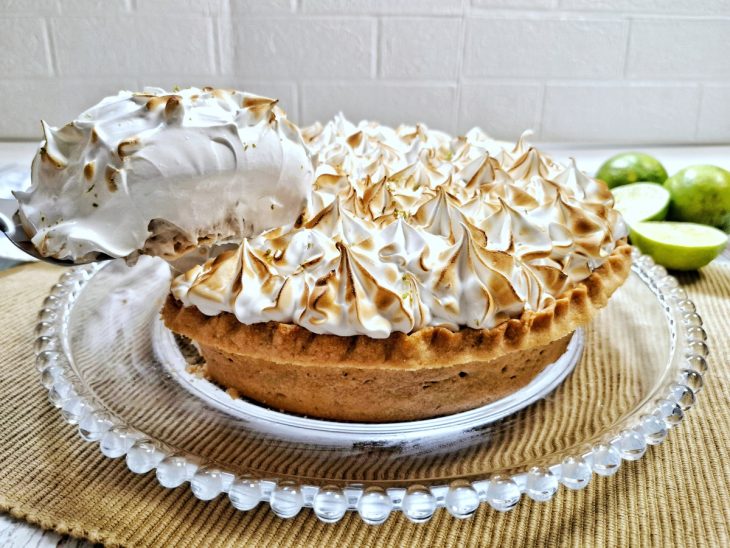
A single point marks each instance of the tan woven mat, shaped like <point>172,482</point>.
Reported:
<point>677,495</point>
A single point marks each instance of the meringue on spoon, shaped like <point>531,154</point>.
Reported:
<point>164,174</point>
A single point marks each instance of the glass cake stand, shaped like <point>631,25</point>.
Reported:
<point>115,371</point>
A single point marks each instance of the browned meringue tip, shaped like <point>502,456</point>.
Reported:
<point>173,106</point>
<point>46,131</point>
<point>128,146</point>
<point>159,100</point>
<point>355,139</point>
<point>255,102</point>
<point>46,156</point>
<point>89,170</point>
<point>142,98</point>
<point>110,175</point>
<point>522,141</point>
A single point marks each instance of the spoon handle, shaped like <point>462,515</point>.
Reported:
<point>8,209</point>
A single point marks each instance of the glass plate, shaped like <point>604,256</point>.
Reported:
<point>114,370</point>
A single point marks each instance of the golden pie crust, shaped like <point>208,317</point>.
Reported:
<point>427,373</point>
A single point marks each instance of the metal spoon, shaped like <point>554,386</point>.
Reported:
<point>13,229</point>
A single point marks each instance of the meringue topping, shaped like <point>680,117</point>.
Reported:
<point>408,228</point>
<point>161,172</point>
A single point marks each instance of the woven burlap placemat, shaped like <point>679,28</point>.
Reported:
<point>676,495</point>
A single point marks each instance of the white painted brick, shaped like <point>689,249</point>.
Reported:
<point>180,7</point>
<point>387,103</point>
<point>620,113</point>
<point>502,110</point>
<point>324,59</point>
<point>714,121</point>
<point>24,7</point>
<point>262,7</point>
<point>420,47</point>
<point>696,7</point>
<point>157,45</point>
<point>226,45</point>
<point>679,48</point>
<point>530,4</point>
<point>366,7</point>
<point>217,7</point>
<point>55,101</point>
<point>552,48</point>
<point>279,49</point>
<point>99,7</point>
<point>23,47</point>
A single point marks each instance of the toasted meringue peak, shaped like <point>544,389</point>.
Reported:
<point>408,228</point>
<point>160,172</point>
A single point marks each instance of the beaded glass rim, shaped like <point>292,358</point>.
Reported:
<point>461,498</point>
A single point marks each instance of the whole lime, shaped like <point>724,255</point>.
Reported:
<point>631,167</point>
<point>700,194</point>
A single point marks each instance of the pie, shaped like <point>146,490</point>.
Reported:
<point>427,275</point>
<point>359,272</point>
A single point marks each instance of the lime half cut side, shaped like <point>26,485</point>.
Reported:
<point>680,246</point>
<point>642,202</point>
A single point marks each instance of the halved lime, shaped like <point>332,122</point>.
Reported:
<point>680,246</point>
<point>642,202</point>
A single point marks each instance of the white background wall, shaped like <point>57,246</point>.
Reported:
<point>612,71</point>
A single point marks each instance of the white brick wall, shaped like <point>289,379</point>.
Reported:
<point>679,49</point>
<point>608,112</point>
<point>714,120</point>
<point>28,41</point>
<point>544,47</point>
<point>433,104</point>
<point>164,45</point>
<point>500,108</point>
<point>304,48</point>
<point>420,48</point>
<point>610,71</point>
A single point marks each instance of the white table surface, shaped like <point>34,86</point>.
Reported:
<point>15,533</point>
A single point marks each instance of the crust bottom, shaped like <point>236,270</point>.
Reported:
<point>346,393</point>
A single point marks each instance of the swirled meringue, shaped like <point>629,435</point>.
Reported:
<point>162,172</point>
<point>408,228</point>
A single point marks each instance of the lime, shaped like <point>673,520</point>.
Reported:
<point>701,194</point>
<point>681,246</point>
<point>641,202</point>
<point>631,167</point>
